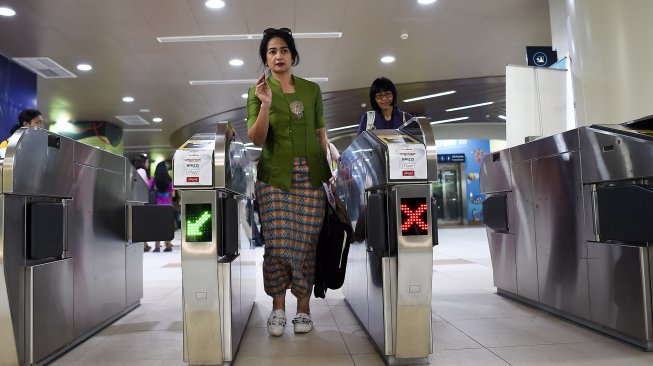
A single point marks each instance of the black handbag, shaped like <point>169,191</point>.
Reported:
<point>333,247</point>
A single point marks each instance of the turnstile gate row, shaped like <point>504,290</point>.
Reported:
<point>68,264</point>
<point>216,175</point>
<point>569,226</point>
<point>384,180</point>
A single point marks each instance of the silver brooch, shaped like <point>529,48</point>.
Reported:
<point>297,108</point>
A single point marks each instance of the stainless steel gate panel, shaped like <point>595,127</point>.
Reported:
<point>377,275</point>
<point>49,308</point>
<point>609,156</point>
<point>620,282</point>
<point>49,175</point>
<point>523,223</point>
<point>203,317</point>
<point>8,334</point>
<point>133,273</point>
<point>504,265</point>
<point>561,249</point>
<point>357,281</point>
<point>552,145</point>
<point>96,241</point>
<point>92,156</point>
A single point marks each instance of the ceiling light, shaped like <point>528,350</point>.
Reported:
<point>144,110</point>
<point>469,106</point>
<point>127,99</point>
<point>214,4</point>
<point>84,67</point>
<point>502,117</point>
<point>426,1</point>
<point>449,120</point>
<point>429,96</point>
<point>157,119</point>
<point>387,59</point>
<point>241,37</point>
<point>244,81</point>
<point>141,130</point>
<point>7,12</point>
<point>244,95</point>
<point>236,62</point>
<point>341,128</point>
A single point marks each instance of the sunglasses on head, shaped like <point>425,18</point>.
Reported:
<point>277,31</point>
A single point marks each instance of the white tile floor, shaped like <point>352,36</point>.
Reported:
<point>472,325</point>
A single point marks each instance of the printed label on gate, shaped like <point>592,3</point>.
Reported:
<point>193,167</point>
<point>407,161</point>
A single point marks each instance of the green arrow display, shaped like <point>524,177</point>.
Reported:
<point>198,219</point>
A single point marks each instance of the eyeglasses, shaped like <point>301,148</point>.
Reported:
<point>387,95</point>
<point>277,31</point>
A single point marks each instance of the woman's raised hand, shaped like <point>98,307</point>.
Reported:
<point>263,91</point>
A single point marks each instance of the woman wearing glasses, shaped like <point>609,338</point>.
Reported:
<point>285,117</point>
<point>384,114</point>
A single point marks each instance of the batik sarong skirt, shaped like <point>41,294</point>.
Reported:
<point>290,224</point>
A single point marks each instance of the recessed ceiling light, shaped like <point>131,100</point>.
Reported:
<point>426,1</point>
<point>387,59</point>
<point>127,99</point>
<point>246,81</point>
<point>242,37</point>
<point>449,120</point>
<point>341,128</point>
<point>7,12</point>
<point>469,106</point>
<point>157,119</point>
<point>429,96</point>
<point>144,110</point>
<point>236,62</point>
<point>84,67</point>
<point>214,4</point>
<point>244,95</point>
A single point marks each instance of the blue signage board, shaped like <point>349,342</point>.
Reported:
<point>451,158</point>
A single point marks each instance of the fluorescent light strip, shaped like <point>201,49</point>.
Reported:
<point>469,106</point>
<point>429,96</point>
<point>244,81</point>
<point>142,130</point>
<point>241,37</point>
<point>341,128</point>
<point>502,117</point>
<point>449,120</point>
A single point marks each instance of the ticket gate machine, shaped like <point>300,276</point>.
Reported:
<point>216,177</point>
<point>384,178</point>
<point>71,255</point>
<point>569,226</point>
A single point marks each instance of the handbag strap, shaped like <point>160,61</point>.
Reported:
<point>329,194</point>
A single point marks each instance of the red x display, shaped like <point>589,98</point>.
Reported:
<point>414,220</point>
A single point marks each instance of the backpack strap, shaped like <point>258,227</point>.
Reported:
<point>371,115</point>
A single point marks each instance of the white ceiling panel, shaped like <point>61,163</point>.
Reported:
<point>460,44</point>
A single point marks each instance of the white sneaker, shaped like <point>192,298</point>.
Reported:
<point>276,322</point>
<point>302,323</point>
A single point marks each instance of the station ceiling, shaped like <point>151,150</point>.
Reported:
<point>460,45</point>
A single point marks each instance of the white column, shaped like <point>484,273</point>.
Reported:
<point>610,44</point>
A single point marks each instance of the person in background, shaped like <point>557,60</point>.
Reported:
<point>142,165</point>
<point>26,118</point>
<point>285,117</point>
<point>384,114</point>
<point>162,184</point>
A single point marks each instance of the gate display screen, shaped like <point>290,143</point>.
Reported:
<point>198,222</point>
<point>414,220</point>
